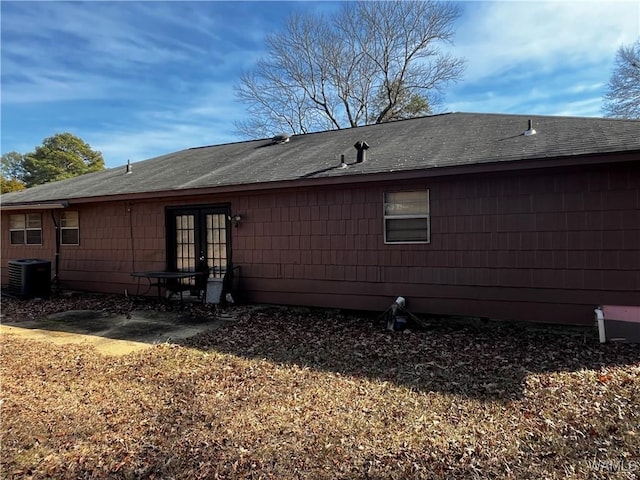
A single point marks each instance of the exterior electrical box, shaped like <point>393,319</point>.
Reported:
<point>30,277</point>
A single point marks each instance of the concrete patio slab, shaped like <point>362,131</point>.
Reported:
<point>113,334</point>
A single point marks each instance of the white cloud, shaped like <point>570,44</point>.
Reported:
<point>119,146</point>
<point>134,80</point>
<point>579,108</point>
<point>542,35</point>
<point>139,79</point>
<point>207,119</point>
<point>540,57</point>
<point>97,49</point>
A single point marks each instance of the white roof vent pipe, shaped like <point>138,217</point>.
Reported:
<point>529,131</point>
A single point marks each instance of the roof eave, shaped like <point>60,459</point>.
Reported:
<point>35,206</point>
<point>400,175</point>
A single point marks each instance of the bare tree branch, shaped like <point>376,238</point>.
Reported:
<point>370,62</point>
<point>622,99</point>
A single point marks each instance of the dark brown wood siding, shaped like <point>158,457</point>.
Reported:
<point>533,246</point>
<point>530,245</point>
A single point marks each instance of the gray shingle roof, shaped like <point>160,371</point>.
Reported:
<point>423,143</point>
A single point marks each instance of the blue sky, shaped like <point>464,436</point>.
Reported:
<point>140,79</point>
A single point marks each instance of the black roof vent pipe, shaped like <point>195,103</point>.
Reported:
<point>361,147</point>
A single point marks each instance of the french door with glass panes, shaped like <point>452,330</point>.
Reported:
<point>198,239</point>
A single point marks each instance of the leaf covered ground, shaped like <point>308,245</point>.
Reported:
<point>288,394</point>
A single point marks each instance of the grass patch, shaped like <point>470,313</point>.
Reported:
<point>282,395</point>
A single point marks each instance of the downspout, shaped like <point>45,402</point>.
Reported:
<point>600,318</point>
<point>55,279</point>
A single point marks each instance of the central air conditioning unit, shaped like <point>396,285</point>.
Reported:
<point>30,277</point>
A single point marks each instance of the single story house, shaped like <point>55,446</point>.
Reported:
<point>533,218</point>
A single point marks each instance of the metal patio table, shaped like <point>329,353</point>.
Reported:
<point>171,281</point>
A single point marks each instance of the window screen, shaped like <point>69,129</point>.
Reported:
<point>406,217</point>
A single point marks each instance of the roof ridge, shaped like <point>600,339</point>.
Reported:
<point>422,117</point>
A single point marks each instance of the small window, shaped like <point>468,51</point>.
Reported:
<point>25,229</point>
<point>406,217</point>
<point>69,228</point>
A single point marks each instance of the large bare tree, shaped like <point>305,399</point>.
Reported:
<point>371,62</point>
<point>622,99</point>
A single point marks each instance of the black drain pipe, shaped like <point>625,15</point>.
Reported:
<point>55,279</point>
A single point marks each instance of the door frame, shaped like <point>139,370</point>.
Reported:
<point>200,211</point>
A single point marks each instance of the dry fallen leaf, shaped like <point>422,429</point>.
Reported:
<point>290,393</point>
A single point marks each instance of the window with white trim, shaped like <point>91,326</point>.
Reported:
<point>406,217</point>
<point>25,229</point>
<point>69,228</point>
